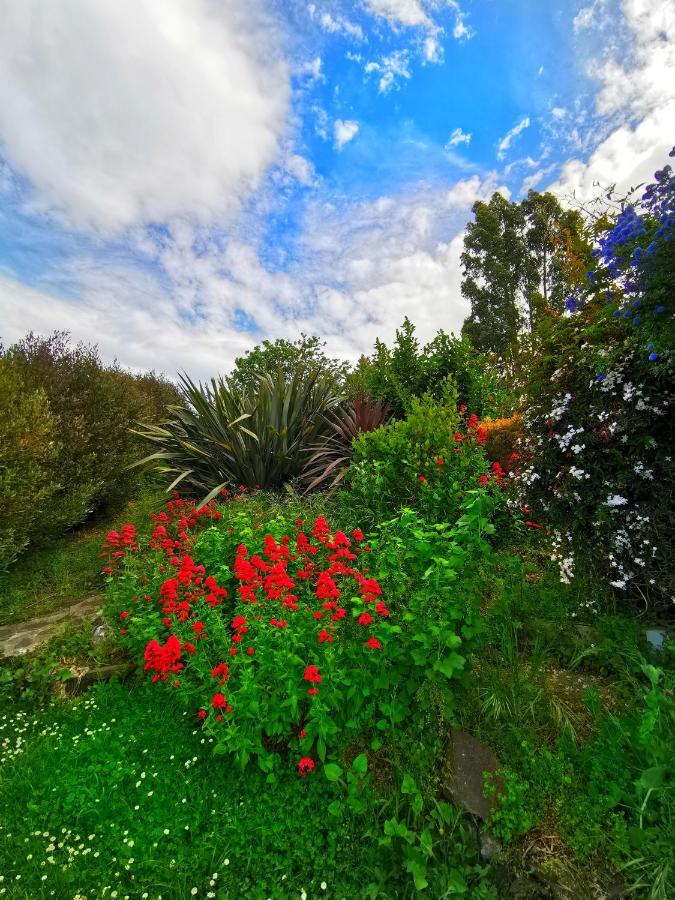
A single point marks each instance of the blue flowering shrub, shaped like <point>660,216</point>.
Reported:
<point>599,425</point>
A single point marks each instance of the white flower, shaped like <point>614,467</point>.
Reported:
<point>615,500</point>
<point>323,885</point>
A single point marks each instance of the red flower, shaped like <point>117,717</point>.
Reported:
<point>222,671</point>
<point>305,766</point>
<point>189,648</point>
<point>303,734</point>
<point>357,534</point>
<point>163,659</point>
<point>218,701</point>
<point>365,619</point>
<point>533,524</point>
<point>483,480</point>
<point>124,615</point>
<point>373,644</point>
<point>421,479</point>
<point>312,675</point>
<point>325,636</point>
<point>439,462</point>
<point>201,714</point>
<point>313,691</point>
<point>198,627</point>
<point>250,651</point>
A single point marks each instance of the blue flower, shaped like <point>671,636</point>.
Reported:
<point>600,377</point>
<point>650,346</point>
<point>653,357</point>
<point>660,309</point>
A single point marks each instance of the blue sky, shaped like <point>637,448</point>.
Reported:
<point>182,178</point>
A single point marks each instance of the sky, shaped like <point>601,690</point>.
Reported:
<point>181,179</point>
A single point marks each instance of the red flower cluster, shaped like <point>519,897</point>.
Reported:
<point>116,545</point>
<point>292,583</point>
<point>163,659</point>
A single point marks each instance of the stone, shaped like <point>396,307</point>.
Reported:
<point>490,848</point>
<point>80,682</point>
<point>468,761</point>
<point>20,638</point>
<point>100,633</point>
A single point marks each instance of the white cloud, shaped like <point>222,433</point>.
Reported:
<point>559,112</point>
<point>344,131</point>
<point>461,31</point>
<point>300,168</point>
<point>505,142</point>
<point>389,68</point>
<point>400,12</point>
<point>140,110</point>
<point>458,137</point>
<point>340,25</point>
<point>362,267</point>
<point>635,103</point>
<point>628,157</point>
<point>588,15</point>
<point>312,69</point>
<point>642,80</point>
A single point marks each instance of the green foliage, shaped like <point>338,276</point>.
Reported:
<point>227,436</point>
<point>306,354</point>
<point>79,412</point>
<point>405,371</point>
<point>416,462</point>
<point>154,815</point>
<point>28,449</point>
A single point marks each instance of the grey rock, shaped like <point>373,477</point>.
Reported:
<point>468,761</point>
<point>19,638</point>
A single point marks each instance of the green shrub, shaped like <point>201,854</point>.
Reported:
<point>407,370</point>
<point>93,407</point>
<point>28,449</point>
<point>427,461</point>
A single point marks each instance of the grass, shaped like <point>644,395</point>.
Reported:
<point>141,806</point>
<point>46,579</point>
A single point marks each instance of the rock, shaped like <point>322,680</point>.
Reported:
<point>490,848</point>
<point>657,638</point>
<point>79,683</point>
<point>468,760</point>
<point>100,633</point>
<point>24,637</point>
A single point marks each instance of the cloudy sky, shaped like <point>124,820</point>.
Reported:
<point>180,179</point>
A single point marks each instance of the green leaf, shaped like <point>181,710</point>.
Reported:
<point>332,771</point>
<point>450,664</point>
<point>409,785</point>
<point>335,809</point>
<point>360,764</point>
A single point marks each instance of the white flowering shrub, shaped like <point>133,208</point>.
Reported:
<point>599,422</point>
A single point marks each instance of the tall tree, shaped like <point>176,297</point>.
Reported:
<point>520,261</point>
<point>495,274</point>
<point>559,253</point>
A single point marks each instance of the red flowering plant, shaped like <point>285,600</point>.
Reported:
<point>275,639</point>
